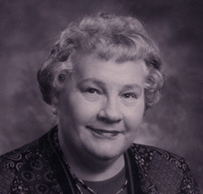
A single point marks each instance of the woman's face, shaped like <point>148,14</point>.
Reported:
<point>102,106</point>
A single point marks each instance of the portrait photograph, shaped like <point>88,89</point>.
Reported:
<point>101,97</point>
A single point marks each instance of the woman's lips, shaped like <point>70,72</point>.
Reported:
<point>104,133</point>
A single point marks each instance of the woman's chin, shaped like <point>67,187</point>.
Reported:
<point>105,148</point>
<point>106,153</point>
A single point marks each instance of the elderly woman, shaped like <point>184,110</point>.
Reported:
<point>102,75</point>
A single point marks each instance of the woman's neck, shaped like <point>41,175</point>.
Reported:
<point>88,167</point>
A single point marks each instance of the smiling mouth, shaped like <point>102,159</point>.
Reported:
<point>105,133</point>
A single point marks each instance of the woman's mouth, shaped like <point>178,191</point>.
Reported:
<point>104,133</point>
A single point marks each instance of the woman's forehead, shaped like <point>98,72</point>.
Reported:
<point>89,67</point>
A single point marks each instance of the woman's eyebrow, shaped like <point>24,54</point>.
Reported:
<point>132,86</point>
<point>91,80</point>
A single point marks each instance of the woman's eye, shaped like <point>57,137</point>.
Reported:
<point>129,98</point>
<point>130,95</point>
<point>92,91</point>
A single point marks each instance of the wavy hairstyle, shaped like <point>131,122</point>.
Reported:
<point>108,36</point>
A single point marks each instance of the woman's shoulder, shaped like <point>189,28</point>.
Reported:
<point>164,169</point>
<point>151,152</point>
<point>28,151</point>
<point>21,164</point>
<point>25,152</point>
<point>159,160</point>
<point>12,162</point>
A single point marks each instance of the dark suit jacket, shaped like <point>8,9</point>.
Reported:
<point>39,168</point>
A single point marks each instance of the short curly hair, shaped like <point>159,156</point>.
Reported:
<point>121,38</point>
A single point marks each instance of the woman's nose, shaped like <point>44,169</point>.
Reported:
<point>110,112</point>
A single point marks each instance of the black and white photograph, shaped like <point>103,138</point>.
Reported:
<point>101,97</point>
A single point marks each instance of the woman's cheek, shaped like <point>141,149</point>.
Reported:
<point>133,115</point>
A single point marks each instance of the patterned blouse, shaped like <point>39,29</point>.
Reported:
<point>39,168</point>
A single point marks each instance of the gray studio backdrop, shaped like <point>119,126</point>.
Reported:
<point>29,28</point>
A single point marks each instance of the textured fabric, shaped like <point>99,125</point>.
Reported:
<point>39,168</point>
